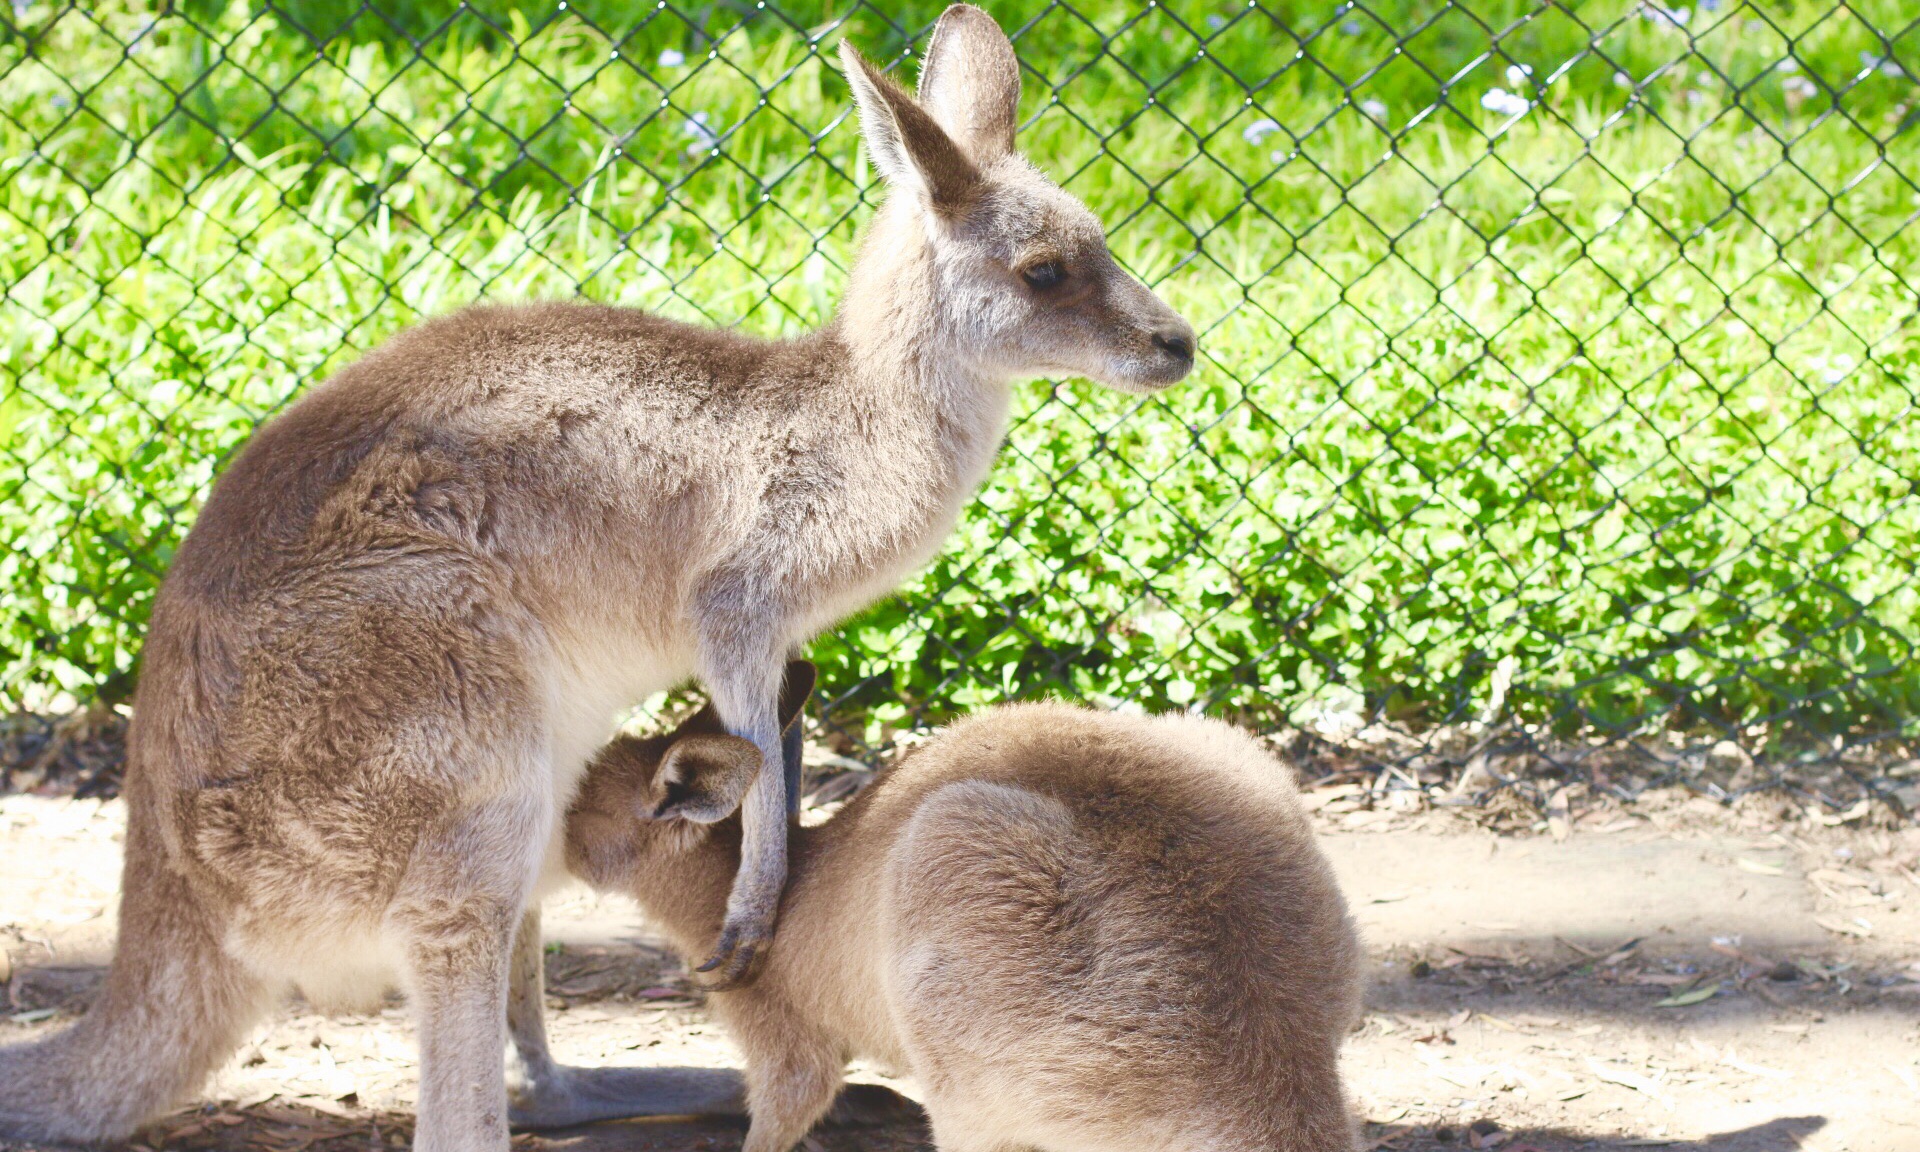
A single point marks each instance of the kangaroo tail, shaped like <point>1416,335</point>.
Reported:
<point>174,1007</point>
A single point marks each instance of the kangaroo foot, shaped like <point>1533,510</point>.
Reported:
<point>871,1106</point>
<point>567,1096</point>
<point>570,1096</point>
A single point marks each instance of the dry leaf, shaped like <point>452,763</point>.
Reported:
<point>1835,876</point>
<point>1664,979</point>
<point>1437,1064</point>
<point>1589,953</point>
<point>1753,1069</point>
<point>255,1098</point>
<point>1621,953</point>
<point>1559,818</point>
<point>1697,995</point>
<point>1834,821</point>
<point>1626,1078</point>
<point>1616,826</point>
<point>1760,867</point>
<point>1854,927</point>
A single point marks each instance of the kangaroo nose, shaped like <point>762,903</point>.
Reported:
<point>1175,343</point>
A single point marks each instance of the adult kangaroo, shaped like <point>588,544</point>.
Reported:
<point>417,601</point>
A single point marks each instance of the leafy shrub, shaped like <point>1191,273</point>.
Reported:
<point>1608,376</point>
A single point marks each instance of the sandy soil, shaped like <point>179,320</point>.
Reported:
<point>1682,976</point>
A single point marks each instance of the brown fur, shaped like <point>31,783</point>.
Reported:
<point>416,602</point>
<point>1077,930</point>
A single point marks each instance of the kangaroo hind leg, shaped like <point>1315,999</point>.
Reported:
<point>546,1094</point>
<point>175,1006</point>
<point>454,922</point>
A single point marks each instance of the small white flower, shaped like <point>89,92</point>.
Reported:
<point>1885,66</point>
<point>1375,109</point>
<point>705,138</point>
<point>1519,76</point>
<point>1504,102</point>
<point>1622,80</point>
<point>1788,65</point>
<point>1216,22</point>
<point>672,58</point>
<point>1260,129</point>
<point>1672,17</point>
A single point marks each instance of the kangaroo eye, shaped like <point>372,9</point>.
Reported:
<point>1044,275</point>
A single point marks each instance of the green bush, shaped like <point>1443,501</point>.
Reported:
<point>1618,390</point>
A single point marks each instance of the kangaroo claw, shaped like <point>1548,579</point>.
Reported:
<point>738,957</point>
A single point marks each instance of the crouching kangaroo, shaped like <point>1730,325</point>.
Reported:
<point>1078,931</point>
<point>416,602</point>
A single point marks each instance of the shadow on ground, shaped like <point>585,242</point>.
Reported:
<point>1787,1134</point>
<point>293,1129</point>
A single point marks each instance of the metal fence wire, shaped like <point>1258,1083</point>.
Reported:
<point>1554,424</point>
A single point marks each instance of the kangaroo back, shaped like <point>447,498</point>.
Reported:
<point>1108,943</point>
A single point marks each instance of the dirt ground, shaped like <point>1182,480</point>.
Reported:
<point>1677,974</point>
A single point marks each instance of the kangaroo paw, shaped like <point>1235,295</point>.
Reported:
<point>737,959</point>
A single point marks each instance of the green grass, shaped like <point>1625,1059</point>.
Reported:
<point>1618,392</point>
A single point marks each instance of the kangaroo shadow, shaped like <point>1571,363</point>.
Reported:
<point>1786,1134</point>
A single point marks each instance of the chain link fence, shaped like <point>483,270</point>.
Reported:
<point>1555,419</point>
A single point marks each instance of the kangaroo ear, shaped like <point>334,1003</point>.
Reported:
<point>704,778</point>
<point>970,82</point>
<point>908,147</point>
<point>796,690</point>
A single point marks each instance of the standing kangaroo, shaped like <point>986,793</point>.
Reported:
<point>416,602</point>
<point>1079,931</point>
